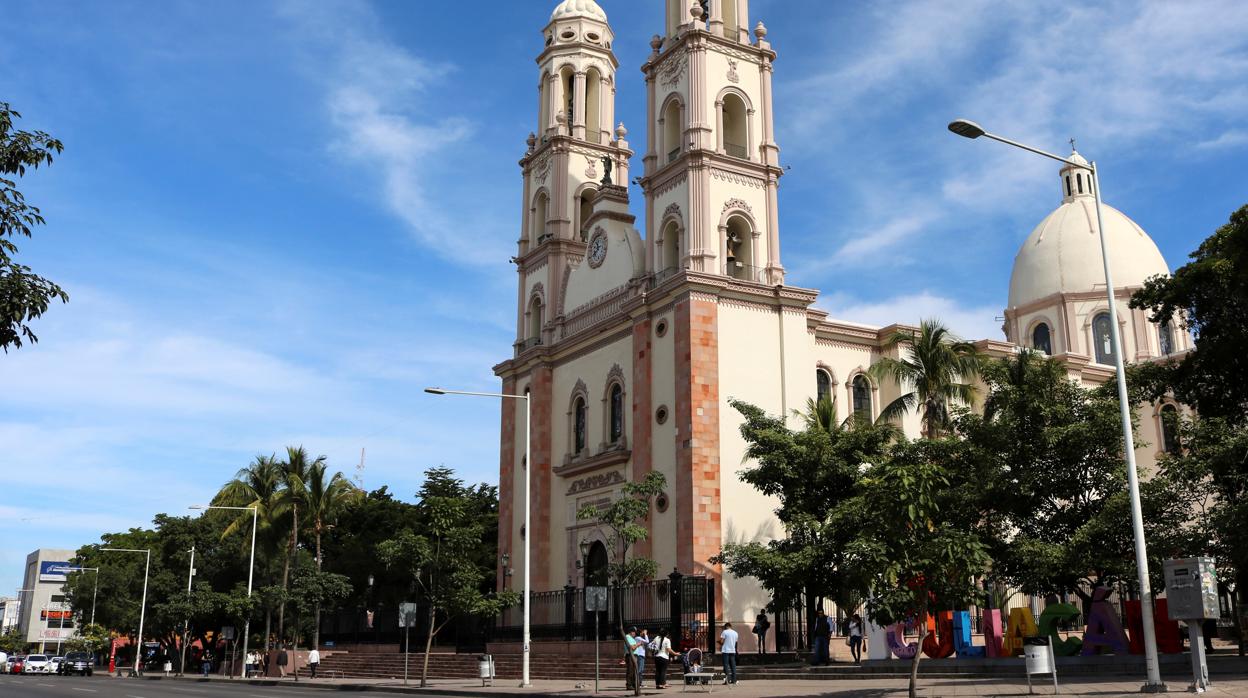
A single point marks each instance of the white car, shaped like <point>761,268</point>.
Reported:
<point>37,664</point>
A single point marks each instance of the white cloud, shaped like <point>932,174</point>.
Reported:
<point>968,322</point>
<point>1234,138</point>
<point>377,98</point>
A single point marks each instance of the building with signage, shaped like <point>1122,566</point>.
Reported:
<point>8,613</point>
<point>44,615</point>
<point>632,332</point>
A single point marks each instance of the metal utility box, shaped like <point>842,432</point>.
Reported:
<point>1192,589</point>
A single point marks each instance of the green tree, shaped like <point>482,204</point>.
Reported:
<point>815,475</point>
<point>1050,485</point>
<point>294,494</point>
<point>24,296</point>
<point>311,591</point>
<point>922,555</point>
<point>12,642</point>
<point>1210,296</point>
<point>937,368</point>
<point>439,558</point>
<point>326,498</point>
<point>258,485</point>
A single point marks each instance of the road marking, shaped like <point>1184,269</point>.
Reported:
<point>49,685</point>
<point>186,690</point>
<point>84,690</point>
<point>129,696</point>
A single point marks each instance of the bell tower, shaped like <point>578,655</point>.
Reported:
<point>571,154</point>
<point>712,164</point>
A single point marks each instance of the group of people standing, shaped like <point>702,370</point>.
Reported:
<point>641,645</point>
<point>824,631</point>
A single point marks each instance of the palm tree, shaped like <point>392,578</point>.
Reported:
<point>258,485</point>
<point>937,368</point>
<point>324,500</point>
<point>293,473</point>
<point>820,415</point>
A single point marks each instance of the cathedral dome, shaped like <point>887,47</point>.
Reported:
<point>578,8</point>
<point>1063,253</point>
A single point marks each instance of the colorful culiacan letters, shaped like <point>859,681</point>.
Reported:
<point>949,633</point>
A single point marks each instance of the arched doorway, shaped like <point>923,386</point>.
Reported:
<point>596,565</point>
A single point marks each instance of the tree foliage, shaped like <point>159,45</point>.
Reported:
<point>813,474</point>
<point>938,370</point>
<point>24,296</point>
<point>1210,294</point>
<point>622,521</point>
<point>439,557</point>
<point>918,551</point>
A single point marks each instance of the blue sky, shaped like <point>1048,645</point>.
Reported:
<point>279,221</point>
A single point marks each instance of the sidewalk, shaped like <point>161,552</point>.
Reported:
<point>869,688</point>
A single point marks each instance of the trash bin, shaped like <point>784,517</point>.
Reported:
<point>1038,655</point>
<point>485,669</point>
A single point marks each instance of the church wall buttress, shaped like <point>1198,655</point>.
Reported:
<point>642,416</point>
<point>698,527</point>
<point>506,481</point>
<point>540,504</point>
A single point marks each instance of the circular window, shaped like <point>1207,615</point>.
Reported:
<point>660,328</point>
<point>660,415</point>
<point>660,502</point>
<point>568,35</point>
<point>593,37</point>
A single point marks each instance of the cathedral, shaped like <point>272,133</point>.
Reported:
<point>630,345</point>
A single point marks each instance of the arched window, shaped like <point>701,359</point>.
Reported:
<point>585,210</point>
<point>538,226</point>
<point>1068,191</point>
<point>823,385</point>
<point>543,112</point>
<point>579,424</point>
<point>616,427</point>
<point>1165,336</point>
<point>593,106</point>
<point>1102,339</point>
<point>535,321</point>
<point>1040,340</point>
<point>567,80</point>
<point>1169,428</point>
<point>671,245</point>
<point>672,128</point>
<point>1079,182</point>
<point>736,127</point>
<point>740,248</point>
<point>862,397</point>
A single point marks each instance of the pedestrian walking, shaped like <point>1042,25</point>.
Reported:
<point>823,633</point>
<point>761,625</point>
<point>314,660</point>
<point>728,651</point>
<point>855,638</point>
<point>662,647</point>
<point>282,660</point>
<point>205,662</point>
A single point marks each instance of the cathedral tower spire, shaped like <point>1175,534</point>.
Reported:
<point>574,150</point>
<point>712,165</point>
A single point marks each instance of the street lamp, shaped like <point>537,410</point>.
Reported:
<point>138,650</point>
<point>251,569</point>
<point>528,532</point>
<point>970,129</point>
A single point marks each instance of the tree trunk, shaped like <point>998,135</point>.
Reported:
<point>290,553</point>
<point>316,630</point>
<point>914,663</point>
<point>424,669</point>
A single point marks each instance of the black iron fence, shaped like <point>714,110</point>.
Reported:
<point>678,604</point>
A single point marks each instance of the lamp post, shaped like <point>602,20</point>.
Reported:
<point>138,650</point>
<point>251,571</point>
<point>186,624</point>
<point>584,546</point>
<point>1154,684</point>
<point>528,533</point>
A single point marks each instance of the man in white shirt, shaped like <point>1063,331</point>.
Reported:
<point>728,651</point>
<point>314,660</point>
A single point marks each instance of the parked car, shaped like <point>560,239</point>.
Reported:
<point>16,664</point>
<point>77,663</point>
<point>37,664</point>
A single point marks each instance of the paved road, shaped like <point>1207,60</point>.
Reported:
<point>101,686</point>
